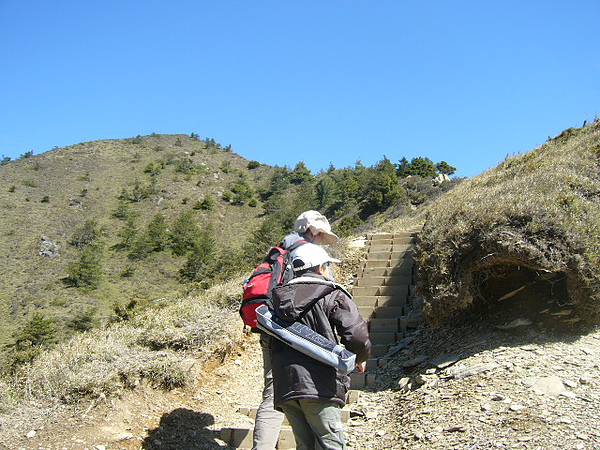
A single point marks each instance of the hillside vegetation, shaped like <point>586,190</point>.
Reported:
<point>525,234</point>
<point>96,226</point>
<point>93,232</point>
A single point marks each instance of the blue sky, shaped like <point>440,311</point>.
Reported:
<point>328,81</point>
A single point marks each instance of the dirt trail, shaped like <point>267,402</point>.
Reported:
<point>462,387</point>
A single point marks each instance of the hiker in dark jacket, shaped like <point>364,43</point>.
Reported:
<point>309,392</point>
<point>310,227</point>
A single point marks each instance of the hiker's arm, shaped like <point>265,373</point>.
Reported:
<point>351,327</point>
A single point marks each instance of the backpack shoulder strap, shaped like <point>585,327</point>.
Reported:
<point>295,245</point>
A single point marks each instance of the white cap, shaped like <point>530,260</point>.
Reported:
<point>318,224</point>
<point>310,255</point>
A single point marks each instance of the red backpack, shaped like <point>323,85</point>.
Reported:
<point>276,269</point>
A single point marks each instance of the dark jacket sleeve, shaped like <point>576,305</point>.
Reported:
<point>350,326</point>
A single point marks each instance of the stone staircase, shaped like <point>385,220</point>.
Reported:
<point>383,293</point>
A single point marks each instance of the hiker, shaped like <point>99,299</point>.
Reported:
<point>310,393</point>
<point>312,227</point>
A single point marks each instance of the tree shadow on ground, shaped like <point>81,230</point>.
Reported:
<point>183,429</point>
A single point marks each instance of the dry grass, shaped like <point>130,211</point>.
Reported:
<point>149,346</point>
<point>539,211</point>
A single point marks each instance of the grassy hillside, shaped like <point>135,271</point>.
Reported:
<point>91,230</point>
<point>54,194</point>
<point>525,234</point>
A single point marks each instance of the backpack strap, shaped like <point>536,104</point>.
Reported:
<point>295,245</point>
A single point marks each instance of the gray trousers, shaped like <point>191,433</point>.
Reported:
<point>268,421</point>
<point>317,424</point>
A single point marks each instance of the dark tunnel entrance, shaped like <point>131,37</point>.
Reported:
<point>511,291</point>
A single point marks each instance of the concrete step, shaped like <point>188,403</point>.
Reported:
<point>241,438</point>
<point>361,380</point>
<point>384,325</point>
<point>374,363</point>
<point>366,312</point>
<point>385,338</point>
<point>367,301</point>
<point>393,325</point>
<point>379,350</point>
<point>386,268</point>
<point>378,256</point>
<point>369,291</point>
<point>373,280</point>
<point>375,301</point>
<point>400,290</point>
<point>389,312</point>
<point>391,300</point>
<point>388,291</point>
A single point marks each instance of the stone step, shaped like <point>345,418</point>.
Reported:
<point>383,280</point>
<point>379,350</point>
<point>375,301</point>
<point>393,325</point>
<point>387,291</point>
<point>369,291</point>
<point>394,280</point>
<point>369,301</point>
<point>374,363</point>
<point>400,290</point>
<point>386,268</point>
<point>392,237</point>
<point>366,312</point>
<point>361,380</point>
<point>241,438</point>
<point>388,248</point>
<point>385,338</point>
<point>384,325</point>
<point>389,312</point>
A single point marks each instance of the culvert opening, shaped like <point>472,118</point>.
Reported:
<point>509,291</point>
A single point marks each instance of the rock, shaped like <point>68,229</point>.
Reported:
<point>443,361</point>
<point>415,361</point>
<point>31,434</point>
<point>414,319</point>
<point>517,323</point>
<point>49,249</point>
<point>441,178</point>
<point>429,380</point>
<point>404,384</point>
<point>464,372</point>
<point>547,386</point>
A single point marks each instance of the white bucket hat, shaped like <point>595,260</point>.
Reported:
<point>318,224</point>
<point>310,255</point>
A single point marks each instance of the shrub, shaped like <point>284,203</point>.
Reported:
<point>88,234</point>
<point>207,204</point>
<point>29,183</point>
<point>86,272</point>
<point>253,165</point>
